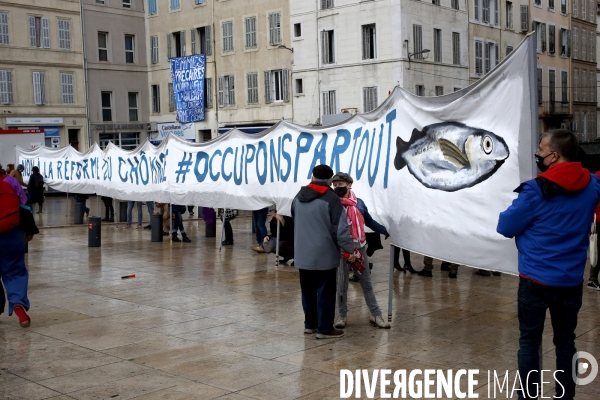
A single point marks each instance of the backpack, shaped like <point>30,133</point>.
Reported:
<point>9,207</point>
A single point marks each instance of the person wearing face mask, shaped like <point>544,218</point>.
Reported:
<point>550,221</point>
<point>342,184</point>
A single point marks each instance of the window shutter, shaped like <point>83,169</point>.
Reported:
<point>325,47</point>
<point>271,30</point>
<point>249,84</point>
<point>476,4</point>
<point>4,37</point>
<point>543,26</point>
<point>3,87</point>
<point>9,86</point>
<point>365,43</point>
<point>524,18</point>
<point>497,58</point>
<point>193,40</point>
<point>169,46</point>
<point>278,27</point>
<point>208,40</point>
<point>43,87</point>
<point>221,104</point>
<point>268,87</point>
<point>325,103</point>
<point>46,33</point>
<point>496,12</point>
<point>478,58</point>
<point>182,42</point>
<point>61,35</point>
<point>32,32</point>
<point>225,30</point>
<point>552,39</point>
<point>231,90</point>
<point>209,93</point>
<point>36,88</point>
<point>285,84</point>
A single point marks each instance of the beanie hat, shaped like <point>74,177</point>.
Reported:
<point>322,172</point>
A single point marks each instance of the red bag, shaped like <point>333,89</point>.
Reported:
<point>9,207</point>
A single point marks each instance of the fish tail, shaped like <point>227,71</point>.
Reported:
<point>402,146</point>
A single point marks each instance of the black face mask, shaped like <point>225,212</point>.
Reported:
<point>539,160</point>
<point>341,191</point>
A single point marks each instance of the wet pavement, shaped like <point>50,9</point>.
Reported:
<point>196,323</point>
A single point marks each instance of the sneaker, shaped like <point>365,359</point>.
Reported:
<point>452,275</point>
<point>259,249</point>
<point>593,285</point>
<point>331,335</point>
<point>483,272</point>
<point>138,226</point>
<point>24,319</point>
<point>379,322</point>
<point>353,278</point>
<point>445,266</point>
<point>425,273</point>
<point>148,227</point>
<point>309,331</point>
<point>127,226</point>
<point>340,322</point>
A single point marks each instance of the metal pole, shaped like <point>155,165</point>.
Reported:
<point>98,204</point>
<point>67,208</point>
<point>171,221</point>
<point>222,231</point>
<point>277,245</point>
<point>114,213</point>
<point>391,284</point>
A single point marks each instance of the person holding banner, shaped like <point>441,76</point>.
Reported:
<point>550,221</point>
<point>342,184</point>
<point>320,232</point>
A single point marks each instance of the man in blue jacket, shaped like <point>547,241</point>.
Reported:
<point>551,220</point>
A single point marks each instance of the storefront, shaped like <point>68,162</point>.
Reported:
<point>183,131</point>
<point>125,136</point>
<point>56,133</point>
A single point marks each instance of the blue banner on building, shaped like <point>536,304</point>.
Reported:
<point>187,74</point>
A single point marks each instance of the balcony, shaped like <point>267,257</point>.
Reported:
<point>555,108</point>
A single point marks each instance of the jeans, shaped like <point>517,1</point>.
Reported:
<point>564,304</point>
<point>150,205</point>
<point>259,220</point>
<point>428,265</point>
<point>178,221</point>
<point>365,283</point>
<point>12,268</point>
<point>318,299</point>
<point>130,209</point>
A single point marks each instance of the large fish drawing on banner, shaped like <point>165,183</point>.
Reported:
<point>450,156</point>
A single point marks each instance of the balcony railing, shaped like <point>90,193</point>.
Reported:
<point>555,107</point>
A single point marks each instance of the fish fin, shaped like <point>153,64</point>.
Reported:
<point>453,154</point>
<point>402,146</point>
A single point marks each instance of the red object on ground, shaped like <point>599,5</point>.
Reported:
<point>24,319</point>
<point>128,276</point>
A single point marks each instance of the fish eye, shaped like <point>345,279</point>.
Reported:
<point>487,144</point>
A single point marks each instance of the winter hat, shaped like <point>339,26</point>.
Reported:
<point>322,172</point>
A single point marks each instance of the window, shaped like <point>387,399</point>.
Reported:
<point>106,106</point>
<point>64,34</point>
<point>250,25</point>
<point>129,50</point>
<point>368,42</point>
<point>576,85</point>
<point>175,5</point>
<point>583,85</point>
<point>537,2</point>
<point>176,42</point>
<point>326,4</point>
<point>172,105</point>
<point>551,39</point>
<point>4,36</point>
<point>552,86</point>
<point>155,89</point>
<point>565,39</point>
<point>68,94</point>
<point>100,1</point>
<point>478,57</point>
<point>485,14</point>
<point>370,98</point>
<point>154,49</point>
<point>297,30</point>
<point>227,36</point>
<point>124,140</point>
<point>591,47</point>
<point>583,44</point>
<point>276,86</point>
<point>420,90</point>
<point>6,87</point>
<point>563,7</point>
<point>132,98</point>
<point>551,4</point>
<point>299,87</point>
<point>495,11</point>
<point>435,2</point>
<point>437,45</point>
<point>455,48</point>
<point>126,3</point>
<point>539,85</point>
<point>208,93</point>
<point>540,30</point>
<point>152,9</point>
<point>454,5</point>
<point>476,6</point>
<point>102,46</point>
<point>564,86</point>
<point>418,42</point>
<point>199,2</point>
<point>39,88</point>
<point>582,8</point>
<point>226,91</point>
<point>329,106</point>
<point>575,2</point>
<point>509,15</point>
<point>524,18</point>
<point>456,88</point>
<point>509,50</point>
<point>274,28</point>
<point>592,13</point>
<point>39,32</point>
<point>327,47</point>
<point>204,45</point>
<point>252,81</point>
<point>575,43</point>
<point>439,90</point>
<point>491,56</point>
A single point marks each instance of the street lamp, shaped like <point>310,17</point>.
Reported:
<point>283,46</point>
<point>425,52</point>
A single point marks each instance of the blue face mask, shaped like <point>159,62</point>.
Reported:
<point>341,191</point>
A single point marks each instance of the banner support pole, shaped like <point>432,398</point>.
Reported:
<point>277,245</point>
<point>171,222</point>
<point>391,284</point>
<point>222,230</point>
<point>67,208</point>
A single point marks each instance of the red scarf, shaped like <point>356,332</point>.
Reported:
<point>356,222</point>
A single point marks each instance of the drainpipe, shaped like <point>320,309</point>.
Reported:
<point>87,87</point>
<point>216,78</point>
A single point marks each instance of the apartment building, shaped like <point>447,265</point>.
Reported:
<point>117,71</point>
<point>349,55</point>
<point>42,82</point>
<point>584,68</point>
<point>247,70</point>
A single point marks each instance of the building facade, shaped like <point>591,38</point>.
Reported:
<point>117,71</point>
<point>42,83</point>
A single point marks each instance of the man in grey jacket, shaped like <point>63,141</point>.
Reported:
<point>320,231</point>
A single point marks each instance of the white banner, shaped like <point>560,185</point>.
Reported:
<point>435,171</point>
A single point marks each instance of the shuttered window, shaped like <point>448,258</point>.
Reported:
<point>327,47</point>
<point>564,86</point>
<point>584,85</point>
<point>591,47</point>
<point>478,57</point>
<point>154,49</point>
<point>454,4</point>
<point>370,98</point>
<point>68,94</point>
<point>6,87</point>
<point>155,89</point>
<point>64,34</point>
<point>551,39</point>
<point>227,36</point>
<point>576,85</point>
<point>201,40</point>
<point>439,90</point>
<point>152,9</point>
<point>326,4</point>
<point>208,93</point>
<point>524,18</point>
<point>175,5</point>
<point>583,8</point>
<point>39,32</point>
<point>4,35</point>
<point>455,48</point>
<point>39,88</point>
<point>476,6</point>
<point>171,98</point>
<point>575,42</point>
<point>277,86</point>
<point>252,82</point>
<point>539,85</point>
<point>368,42</point>
<point>226,91</point>
<point>485,11</point>
<point>329,105</point>
<point>437,45</point>
<point>583,54</point>
<point>418,42</point>
<point>250,26</point>
<point>552,86</point>
<point>275,28</point>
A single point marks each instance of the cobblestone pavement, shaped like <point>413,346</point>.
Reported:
<point>196,323</point>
